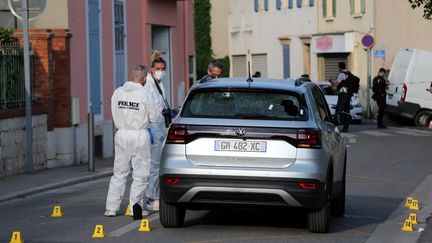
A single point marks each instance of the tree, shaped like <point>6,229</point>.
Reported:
<point>427,5</point>
<point>203,41</point>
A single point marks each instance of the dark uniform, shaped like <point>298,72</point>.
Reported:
<point>379,88</point>
<point>344,100</point>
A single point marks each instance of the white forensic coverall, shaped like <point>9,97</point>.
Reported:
<point>133,110</point>
<point>159,131</point>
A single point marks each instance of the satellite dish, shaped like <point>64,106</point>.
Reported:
<point>35,8</point>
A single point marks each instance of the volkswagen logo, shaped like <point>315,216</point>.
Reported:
<point>241,132</point>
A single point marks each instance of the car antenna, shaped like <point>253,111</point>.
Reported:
<point>249,80</point>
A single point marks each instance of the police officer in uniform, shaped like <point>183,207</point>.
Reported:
<point>379,88</point>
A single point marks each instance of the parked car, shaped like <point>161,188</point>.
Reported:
<point>356,109</point>
<point>261,143</point>
<point>410,79</point>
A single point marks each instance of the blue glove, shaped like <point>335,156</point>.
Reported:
<point>150,135</point>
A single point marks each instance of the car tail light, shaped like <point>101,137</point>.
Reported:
<point>177,134</point>
<point>308,186</point>
<point>172,181</point>
<point>404,91</point>
<point>309,138</point>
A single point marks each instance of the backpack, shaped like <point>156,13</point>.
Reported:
<point>352,82</point>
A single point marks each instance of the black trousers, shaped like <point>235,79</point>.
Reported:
<point>343,105</point>
<point>381,102</point>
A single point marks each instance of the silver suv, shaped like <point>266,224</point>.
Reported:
<point>254,143</point>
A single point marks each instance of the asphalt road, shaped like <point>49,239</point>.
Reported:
<point>384,166</point>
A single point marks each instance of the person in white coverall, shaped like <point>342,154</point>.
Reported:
<point>155,87</point>
<point>133,110</point>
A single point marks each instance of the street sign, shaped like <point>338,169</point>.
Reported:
<point>368,41</point>
<point>379,53</point>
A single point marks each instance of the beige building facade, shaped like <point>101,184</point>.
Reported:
<point>272,35</point>
<point>220,12</point>
<point>343,24</point>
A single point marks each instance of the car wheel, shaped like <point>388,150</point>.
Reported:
<point>423,118</point>
<point>171,215</point>
<point>318,220</point>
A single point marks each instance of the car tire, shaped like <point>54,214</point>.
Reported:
<point>338,204</point>
<point>171,215</point>
<point>318,220</point>
<point>423,118</point>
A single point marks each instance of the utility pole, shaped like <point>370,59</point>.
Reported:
<point>28,88</point>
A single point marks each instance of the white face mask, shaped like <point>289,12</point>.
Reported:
<point>159,75</point>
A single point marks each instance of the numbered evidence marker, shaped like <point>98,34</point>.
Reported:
<point>16,237</point>
<point>145,226</point>
<point>98,232</point>
<point>57,212</point>
<point>408,202</point>
<point>408,226</point>
<point>414,205</point>
<point>413,218</point>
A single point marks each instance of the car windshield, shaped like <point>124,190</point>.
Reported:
<point>245,105</point>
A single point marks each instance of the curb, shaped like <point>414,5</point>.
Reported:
<point>52,186</point>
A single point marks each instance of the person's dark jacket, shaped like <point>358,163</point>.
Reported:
<point>379,85</point>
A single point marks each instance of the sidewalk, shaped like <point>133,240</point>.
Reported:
<point>23,185</point>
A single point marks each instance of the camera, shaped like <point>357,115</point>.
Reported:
<point>168,114</point>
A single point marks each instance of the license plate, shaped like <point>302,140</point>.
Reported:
<point>240,146</point>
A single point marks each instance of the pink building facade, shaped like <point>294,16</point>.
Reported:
<point>108,38</point>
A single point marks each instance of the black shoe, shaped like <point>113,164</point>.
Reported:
<point>137,211</point>
<point>382,127</point>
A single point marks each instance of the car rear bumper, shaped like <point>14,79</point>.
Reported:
<point>204,191</point>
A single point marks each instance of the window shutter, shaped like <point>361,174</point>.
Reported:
<point>334,8</point>
<point>352,6</point>
<point>363,6</point>
<point>278,4</point>
<point>324,5</point>
<point>299,3</point>
<point>256,5</point>
<point>266,5</point>
<point>290,3</point>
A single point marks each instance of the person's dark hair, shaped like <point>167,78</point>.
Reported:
<point>382,70</point>
<point>257,74</point>
<point>342,65</point>
<point>156,58</point>
<point>305,76</point>
<point>215,63</point>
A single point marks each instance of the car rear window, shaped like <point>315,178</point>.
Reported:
<point>232,104</point>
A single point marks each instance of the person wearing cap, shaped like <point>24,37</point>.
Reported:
<point>379,89</point>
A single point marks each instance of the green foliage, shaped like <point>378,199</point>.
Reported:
<point>7,36</point>
<point>203,42</point>
<point>427,7</point>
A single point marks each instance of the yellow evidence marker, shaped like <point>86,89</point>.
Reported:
<point>408,226</point>
<point>408,202</point>
<point>16,237</point>
<point>57,212</point>
<point>413,218</point>
<point>128,210</point>
<point>414,205</point>
<point>144,226</point>
<point>99,232</point>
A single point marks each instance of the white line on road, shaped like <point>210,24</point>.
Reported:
<point>416,133</point>
<point>377,133</point>
<point>132,226</point>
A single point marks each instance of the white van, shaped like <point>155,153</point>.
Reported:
<point>409,92</point>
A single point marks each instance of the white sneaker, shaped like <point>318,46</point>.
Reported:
<point>110,213</point>
<point>153,205</point>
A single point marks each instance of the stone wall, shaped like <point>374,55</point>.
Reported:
<point>13,144</point>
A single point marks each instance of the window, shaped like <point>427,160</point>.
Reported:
<point>311,3</point>
<point>256,5</point>
<point>299,3</point>
<point>290,4</point>
<point>278,4</point>
<point>263,5</point>
<point>329,8</point>
<point>240,104</point>
<point>358,7</point>
<point>323,110</point>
